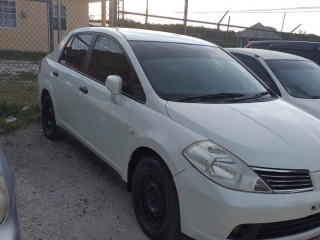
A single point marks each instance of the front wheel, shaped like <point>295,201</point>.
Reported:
<point>49,126</point>
<point>155,200</point>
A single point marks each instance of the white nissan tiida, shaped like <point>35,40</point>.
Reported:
<point>208,151</point>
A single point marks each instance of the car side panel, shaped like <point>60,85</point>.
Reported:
<point>154,130</point>
<point>102,122</point>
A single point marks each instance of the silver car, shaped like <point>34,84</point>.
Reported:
<point>8,211</point>
<point>295,79</point>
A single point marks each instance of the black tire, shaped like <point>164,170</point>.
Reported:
<point>155,200</point>
<point>49,126</point>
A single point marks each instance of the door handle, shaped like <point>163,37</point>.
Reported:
<point>84,89</point>
<point>55,73</point>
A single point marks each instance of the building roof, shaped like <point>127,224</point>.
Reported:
<point>258,31</point>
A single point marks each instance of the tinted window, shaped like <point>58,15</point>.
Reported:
<point>76,50</point>
<point>303,53</point>
<point>258,69</point>
<point>109,59</point>
<point>301,79</point>
<point>182,70</point>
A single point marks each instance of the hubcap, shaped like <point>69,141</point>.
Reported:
<point>153,200</point>
<point>50,119</point>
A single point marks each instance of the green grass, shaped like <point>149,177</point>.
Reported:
<point>20,76</point>
<point>19,88</point>
<point>25,56</point>
<point>23,117</point>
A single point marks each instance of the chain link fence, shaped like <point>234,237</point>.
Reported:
<point>28,31</point>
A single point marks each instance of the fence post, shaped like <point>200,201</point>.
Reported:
<point>59,20</point>
<point>50,26</point>
<point>103,13</point>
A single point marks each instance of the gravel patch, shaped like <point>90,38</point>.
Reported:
<point>14,67</point>
<point>65,192</point>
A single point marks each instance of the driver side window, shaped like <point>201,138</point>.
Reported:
<point>109,59</point>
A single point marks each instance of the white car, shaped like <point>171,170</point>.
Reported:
<point>295,79</point>
<point>205,148</point>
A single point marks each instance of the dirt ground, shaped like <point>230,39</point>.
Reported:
<point>65,192</point>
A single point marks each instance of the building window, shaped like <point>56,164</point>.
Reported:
<point>63,17</point>
<point>8,17</point>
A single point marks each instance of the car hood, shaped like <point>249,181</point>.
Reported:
<point>311,106</point>
<point>270,134</point>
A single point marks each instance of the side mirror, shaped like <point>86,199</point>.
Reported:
<point>114,85</point>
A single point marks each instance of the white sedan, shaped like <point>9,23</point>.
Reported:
<point>206,149</point>
<point>295,79</point>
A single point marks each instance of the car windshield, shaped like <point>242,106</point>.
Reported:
<point>185,72</point>
<point>301,79</point>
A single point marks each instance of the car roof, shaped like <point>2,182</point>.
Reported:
<point>266,54</point>
<point>285,42</point>
<point>132,34</point>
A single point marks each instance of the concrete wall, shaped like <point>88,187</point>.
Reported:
<point>31,33</point>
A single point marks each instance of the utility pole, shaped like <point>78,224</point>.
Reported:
<point>147,12</point>
<point>113,13</point>
<point>185,18</point>
<point>103,13</point>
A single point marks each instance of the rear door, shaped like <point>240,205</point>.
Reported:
<point>66,75</point>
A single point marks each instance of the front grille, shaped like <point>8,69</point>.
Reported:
<point>276,229</point>
<point>286,181</point>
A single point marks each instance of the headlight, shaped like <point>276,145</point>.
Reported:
<point>224,168</point>
<point>4,198</point>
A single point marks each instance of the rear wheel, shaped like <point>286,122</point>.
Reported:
<point>49,126</point>
<point>155,200</point>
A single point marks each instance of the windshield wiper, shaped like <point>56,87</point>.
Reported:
<point>212,96</point>
<point>314,97</point>
<point>254,97</point>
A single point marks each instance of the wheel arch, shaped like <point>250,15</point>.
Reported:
<point>136,157</point>
<point>44,93</point>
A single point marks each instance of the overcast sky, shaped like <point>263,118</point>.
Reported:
<point>298,12</point>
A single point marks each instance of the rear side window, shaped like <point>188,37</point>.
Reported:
<point>258,69</point>
<point>76,51</point>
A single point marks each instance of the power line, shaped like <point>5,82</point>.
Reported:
<point>268,10</point>
<point>306,11</point>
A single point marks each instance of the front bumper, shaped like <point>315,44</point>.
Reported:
<point>211,212</point>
